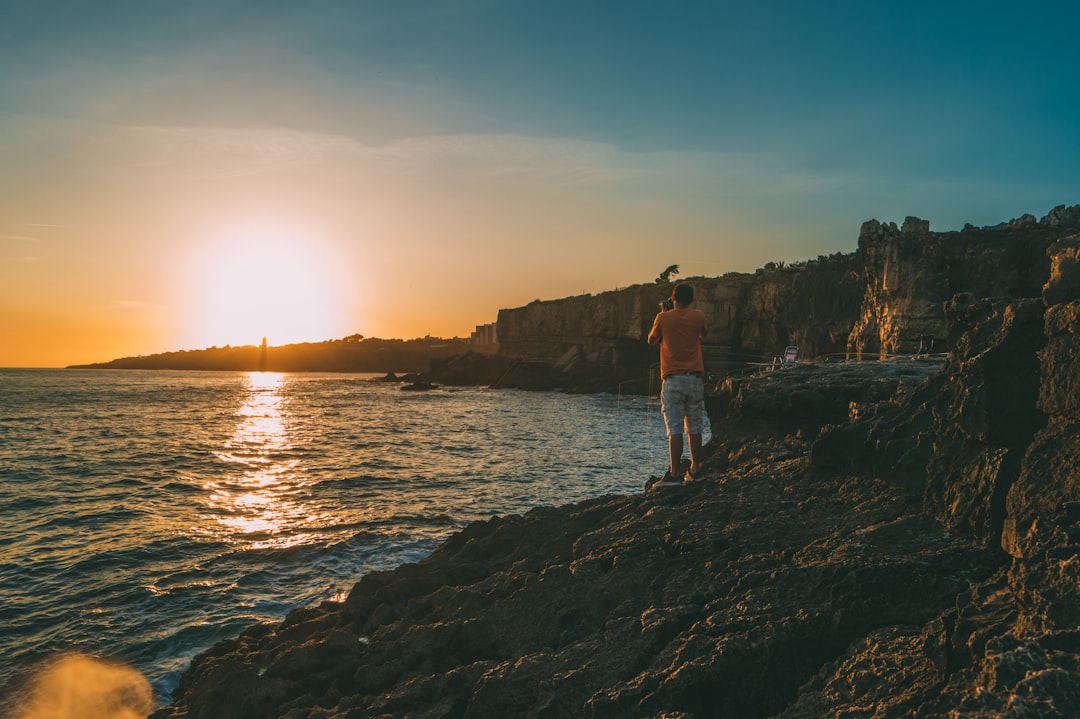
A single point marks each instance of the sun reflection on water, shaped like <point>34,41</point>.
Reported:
<point>260,498</point>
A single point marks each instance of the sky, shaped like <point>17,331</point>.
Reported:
<point>180,175</point>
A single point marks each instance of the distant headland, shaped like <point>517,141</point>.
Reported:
<point>349,354</point>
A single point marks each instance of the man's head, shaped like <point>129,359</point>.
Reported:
<point>683,295</point>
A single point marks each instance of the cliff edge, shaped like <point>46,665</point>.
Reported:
<point>887,297</point>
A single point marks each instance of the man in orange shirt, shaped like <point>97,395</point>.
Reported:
<point>678,331</point>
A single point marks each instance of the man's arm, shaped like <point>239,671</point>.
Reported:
<point>655,335</point>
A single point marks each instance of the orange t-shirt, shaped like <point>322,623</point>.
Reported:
<point>679,333</point>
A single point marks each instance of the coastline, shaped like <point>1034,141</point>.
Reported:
<point>711,595</point>
<point>885,538</point>
<point>853,550</point>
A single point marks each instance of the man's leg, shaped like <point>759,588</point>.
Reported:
<point>673,406</point>
<point>675,447</point>
<point>695,453</point>
<point>695,418</point>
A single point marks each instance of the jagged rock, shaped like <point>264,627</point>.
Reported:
<point>915,226</point>
<point>1064,282</point>
<point>1022,222</point>
<point>809,305</point>
<point>873,230</point>
<point>804,398</point>
<point>1012,644</point>
<point>910,274</point>
<point>1062,216</point>
<point>959,438</point>
<point>1042,519</point>
<point>1060,387</point>
<point>418,387</point>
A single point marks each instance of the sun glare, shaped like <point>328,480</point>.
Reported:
<point>262,280</point>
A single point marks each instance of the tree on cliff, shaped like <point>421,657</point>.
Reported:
<point>665,276</point>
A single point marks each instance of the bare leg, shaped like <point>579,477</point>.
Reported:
<point>675,446</point>
<point>695,453</point>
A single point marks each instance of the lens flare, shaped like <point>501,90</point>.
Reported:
<point>79,687</point>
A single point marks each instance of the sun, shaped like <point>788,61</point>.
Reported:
<point>262,279</point>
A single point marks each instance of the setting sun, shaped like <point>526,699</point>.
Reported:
<point>262,280</point>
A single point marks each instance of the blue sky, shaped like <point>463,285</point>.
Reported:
<point>535,149</point>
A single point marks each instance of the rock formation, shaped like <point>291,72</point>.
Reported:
<point>751,318</point>
<point>888,297</point>
<point>910,273</point>
<point>884,539</point>
<point>997,441</point>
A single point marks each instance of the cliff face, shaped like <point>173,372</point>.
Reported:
<point>885,298</point>
<point>608,329</point>
<point>810,305</point>
<point>910,273</point>
<point>750,318</point>
<point>993,445</point>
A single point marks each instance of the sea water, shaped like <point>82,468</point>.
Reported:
<point>145,515</point>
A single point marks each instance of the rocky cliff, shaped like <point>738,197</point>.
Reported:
<point>883,539</point>
<point>909,273</point>
<point>888,297</point>
<point>751,318</point>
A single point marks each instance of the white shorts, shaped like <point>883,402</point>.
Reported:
<point>682,400</point>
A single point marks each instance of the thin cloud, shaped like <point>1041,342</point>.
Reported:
<point>230,152</point>
<point>215,153</point>
<point>207,152</point>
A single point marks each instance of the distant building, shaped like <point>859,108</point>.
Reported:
<point>484,335</point>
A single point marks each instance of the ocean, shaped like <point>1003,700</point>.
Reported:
<point>145,515</point>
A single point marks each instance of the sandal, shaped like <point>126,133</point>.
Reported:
<point>668,480</point>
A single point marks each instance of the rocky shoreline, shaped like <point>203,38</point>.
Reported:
<point>882,539</point>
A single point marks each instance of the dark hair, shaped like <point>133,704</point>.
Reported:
<point>683,294</point>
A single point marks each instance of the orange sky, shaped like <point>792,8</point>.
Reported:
<point>200,173</point>
<point>163,239</point>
